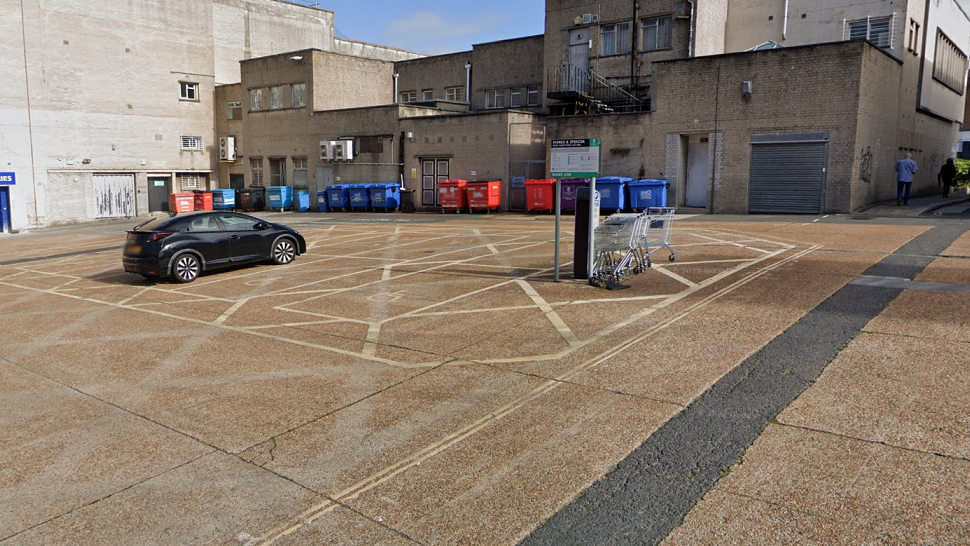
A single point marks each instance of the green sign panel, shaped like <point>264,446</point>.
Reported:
<point>575,158</point>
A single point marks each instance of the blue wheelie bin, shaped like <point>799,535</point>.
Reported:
<point>338,196</point>
<point>323,205</point>
<point>385,196</point>
<point>612,192</point>
<point>223,199</point>
<point>279,197</point>
<point>645,194</point>
<point>359,196</point>
<point>302,200</point>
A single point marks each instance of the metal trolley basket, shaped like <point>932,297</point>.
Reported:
<point>625,243</point>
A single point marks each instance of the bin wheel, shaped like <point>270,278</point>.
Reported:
<point>283,251</point>
<point>672,258</point>
<point>186,268</point>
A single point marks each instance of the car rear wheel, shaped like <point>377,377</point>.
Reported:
<point>284,251</point>
<point>186,268</point>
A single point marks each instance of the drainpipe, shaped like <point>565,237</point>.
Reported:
<point>690,38</point>
<point>395,87</point>
<point>468,83</point>
<point>633,44</point>
<point>784,25</point>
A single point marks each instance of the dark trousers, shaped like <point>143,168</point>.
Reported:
<point>902,191</point>
<point>946,187</point>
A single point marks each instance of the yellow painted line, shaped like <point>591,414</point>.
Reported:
<point>550,313</point>
<point>229,312</point>
<point>315,512</point>
<point>664,271</point>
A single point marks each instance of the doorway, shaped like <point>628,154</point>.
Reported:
<point>698,171</point>
<point>432,172</point>
<point>578,60</point>
<point>158,193</point>
<point>6,225</point>
<point>237,181</point>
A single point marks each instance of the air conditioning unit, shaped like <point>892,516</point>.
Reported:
<point>327,150</point>
<point>227,148</point>
<point>343,150</point>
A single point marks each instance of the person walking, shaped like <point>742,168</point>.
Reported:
<point>905,169</point>
<point>948,172</point>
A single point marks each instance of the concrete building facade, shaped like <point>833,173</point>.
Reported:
<point>109,107</point>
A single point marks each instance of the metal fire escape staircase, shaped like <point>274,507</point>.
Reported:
<point>585,92</point>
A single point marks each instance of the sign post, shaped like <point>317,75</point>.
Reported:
<point>577,158</point>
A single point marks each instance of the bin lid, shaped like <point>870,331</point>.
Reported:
<point>639,183</point>
<point>614,179</point>
<point>453,182</point>
<point>537,181</point>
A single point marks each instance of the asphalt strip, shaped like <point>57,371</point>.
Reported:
<point>650,492</point>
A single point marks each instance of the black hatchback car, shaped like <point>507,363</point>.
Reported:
<point>183,246</point>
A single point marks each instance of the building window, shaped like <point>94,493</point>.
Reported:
<point>298,92</point>
<point>455,93</point>
<point>515,97</point>
<point>495,98</point>
<point>913,36</point>
<point>875,29</point>
<point>277,171</point>
<point>188,91</point>
<point>300,171</point>
<point>409,96</point>
<point>616,39</point>
<point>276,97</point>
<point>189,182</point>
<point>256,168</point>
<point>533,98</point>
<point>191,142</point>
<point>255,100</point>
<point>656,33</point>
<point>950,67</point>
<point>234,110</point>
<point>427,94</point>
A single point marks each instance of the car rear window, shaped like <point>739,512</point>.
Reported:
<point>162,224</point>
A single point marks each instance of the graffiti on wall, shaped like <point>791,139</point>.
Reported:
<point>865,169</point>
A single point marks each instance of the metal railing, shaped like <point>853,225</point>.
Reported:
<point>572,82</point>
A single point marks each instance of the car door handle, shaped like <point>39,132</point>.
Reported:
<point>233,236</point>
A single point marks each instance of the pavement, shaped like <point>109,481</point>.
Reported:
<point>421,379</point>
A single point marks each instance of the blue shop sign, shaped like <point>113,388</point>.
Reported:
<point>8,179</point>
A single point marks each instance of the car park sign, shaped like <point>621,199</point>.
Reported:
<point>8,179</point>
<point>575,158</point>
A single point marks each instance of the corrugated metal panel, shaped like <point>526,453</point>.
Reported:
<point>787,178</point>
<point>114,195</point>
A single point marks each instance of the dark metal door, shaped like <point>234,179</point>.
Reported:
<point>237,181</point>
<point>158,194</point>
<point>432,172</point>
<point>787,178</point>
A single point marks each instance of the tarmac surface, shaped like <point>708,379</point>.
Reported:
<point>420,379</point>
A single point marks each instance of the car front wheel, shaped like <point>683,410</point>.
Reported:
<point>283,251</point>
<point>186,268</point>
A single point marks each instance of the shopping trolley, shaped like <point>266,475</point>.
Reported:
<point>656,233</point>
<point>624,244</point>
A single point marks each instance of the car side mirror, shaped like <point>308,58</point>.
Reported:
<point>261,226</point>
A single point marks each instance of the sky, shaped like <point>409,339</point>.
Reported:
<point>434,26</point>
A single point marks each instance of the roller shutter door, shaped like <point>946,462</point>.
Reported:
<point>787,178</point>
<point>114,195</point>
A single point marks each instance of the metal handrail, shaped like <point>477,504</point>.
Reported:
<point>594,87</point>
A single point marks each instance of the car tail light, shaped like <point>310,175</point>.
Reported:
<point>158,236</point>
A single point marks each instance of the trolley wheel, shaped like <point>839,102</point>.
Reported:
<point>672,258</point>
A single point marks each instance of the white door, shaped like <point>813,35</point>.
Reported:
<point>698,169</point>
<point>114,195</point>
